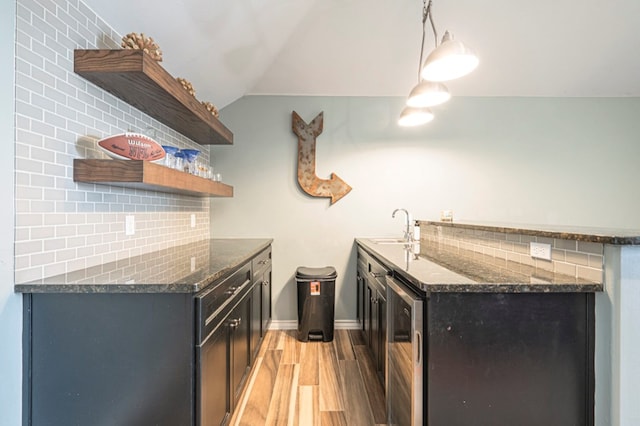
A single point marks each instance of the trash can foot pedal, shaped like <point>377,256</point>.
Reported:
<point>316,336</point>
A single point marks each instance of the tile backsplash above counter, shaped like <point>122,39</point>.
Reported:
<point>62,226</point>
<point>575,253</point>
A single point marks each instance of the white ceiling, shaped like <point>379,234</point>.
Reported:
<point>231,48</point>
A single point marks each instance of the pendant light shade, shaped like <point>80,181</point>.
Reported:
<point>450,60</point>
<point>411,116</point>
<point>428,93</point>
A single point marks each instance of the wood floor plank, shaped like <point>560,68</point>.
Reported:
<point>280,406</point>
<point>279,394</point>
<point>342,344</point>
<point>291,348</point>
<point>268,342</point>
<point>356,337</point>
<point>256,408</point>
<point>278,340</point>
<point>309,364</point>
<point>372,385</point>
<point>308,409</point>
<point>330,383</point>
<point>358,412</point>
<point>333,418</point>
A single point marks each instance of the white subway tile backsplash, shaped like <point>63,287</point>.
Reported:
<point>596,261</point>
<point>28,247</point>
<point>28,111</point>
<point>74,92</point>
<point>42,206</point>
<point>75,15</point>
<point>577,258</point>
<point>28,193</point>
<point>62,225</point>
<point>558,254</point>
<point>56,246</point>
<point>51,18</point>
<point>55,120</point>
<point>582,260</point>
<point>565,268</point>
<point>43,128</point>
<point>54,269</point>
<point>589,247</point>
<point>42,258</point>
<point>26,273</point>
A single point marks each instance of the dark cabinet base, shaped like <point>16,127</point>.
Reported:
<point>510,359</point>
<point>107,359</point>
<point>174,359</point>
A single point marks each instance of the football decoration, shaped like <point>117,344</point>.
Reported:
<point>132,146</point>
<point>144,43</point>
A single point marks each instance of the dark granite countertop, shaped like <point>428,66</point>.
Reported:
<point>187,268</point>
<point>588,234</point>
<point>442,271</point>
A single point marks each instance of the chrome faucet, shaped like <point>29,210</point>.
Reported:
<point>408,233</point>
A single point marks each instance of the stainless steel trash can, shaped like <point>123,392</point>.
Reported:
<point>316,303</point>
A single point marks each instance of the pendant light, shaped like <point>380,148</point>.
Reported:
<point>411,116</point>
<point>450,60</point>
<point>428,93</point>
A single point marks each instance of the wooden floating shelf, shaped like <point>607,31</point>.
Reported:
<point>149,176</point>
<point>137,79</point>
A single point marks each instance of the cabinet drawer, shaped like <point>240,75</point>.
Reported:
<point>215,299</point>
<point>261,262</point>
<point>377,270</point>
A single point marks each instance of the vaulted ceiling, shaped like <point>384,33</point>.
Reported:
<point>231,48</point>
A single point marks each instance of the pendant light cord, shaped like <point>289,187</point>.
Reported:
<point>426,13</point>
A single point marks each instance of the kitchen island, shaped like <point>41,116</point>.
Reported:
<point>479,332</point>
<point>164,338</point>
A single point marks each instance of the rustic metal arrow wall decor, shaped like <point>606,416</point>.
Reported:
<point>334,187</point>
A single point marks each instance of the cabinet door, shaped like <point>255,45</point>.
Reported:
<point>100,358</point>
<point>266,301</point>
<point>361,289</point>
<point>381,360</point>
<point>369,297</point>
<point>239,324</point>
<point>360,294</point>
<point>214,402</point>
<point>375,325</point>
<point>256,318</point>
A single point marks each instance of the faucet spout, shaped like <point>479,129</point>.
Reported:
<point>408,234</point>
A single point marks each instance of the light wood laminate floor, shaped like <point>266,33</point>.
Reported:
<point>313,383</point>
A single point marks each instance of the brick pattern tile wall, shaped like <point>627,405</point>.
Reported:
<point>583,260</point>
<point>61,225</point>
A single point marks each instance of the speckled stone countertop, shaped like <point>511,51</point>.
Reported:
<point>441,271</point>
<point>587,234</point>
<point>186,268</point>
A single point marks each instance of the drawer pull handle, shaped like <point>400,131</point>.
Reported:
<point>378,274</point>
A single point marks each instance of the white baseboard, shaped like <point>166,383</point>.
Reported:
<point>293,325</point>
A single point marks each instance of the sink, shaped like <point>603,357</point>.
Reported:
<point>391,241</point>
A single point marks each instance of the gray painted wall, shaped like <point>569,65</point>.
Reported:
<point>10,303</point>
<point>506,160</point>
